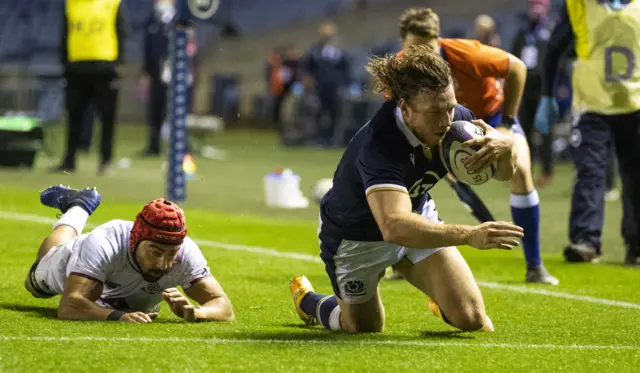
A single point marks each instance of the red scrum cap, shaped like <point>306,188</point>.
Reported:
<point>159,221</point>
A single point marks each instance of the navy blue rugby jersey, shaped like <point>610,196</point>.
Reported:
<point>384,154</point>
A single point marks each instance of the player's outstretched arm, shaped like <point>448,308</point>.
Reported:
<point>392,211</point>
<point>214,305</point>
<point>78,303</point>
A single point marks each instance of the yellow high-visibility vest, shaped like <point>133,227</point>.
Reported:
<point>606,76</point>
<point>92,34</point>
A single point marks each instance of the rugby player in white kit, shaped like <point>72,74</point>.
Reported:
<point>122,270</point>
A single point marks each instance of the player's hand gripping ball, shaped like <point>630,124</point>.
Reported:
<point>453,153</point>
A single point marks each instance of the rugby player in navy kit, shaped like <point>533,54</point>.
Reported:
<point>379,212</point>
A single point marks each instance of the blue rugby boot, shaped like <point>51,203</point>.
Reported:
<point>62,198</point>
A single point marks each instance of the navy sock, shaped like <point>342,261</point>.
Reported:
<point>321,307</point>
<point>525,210</point>
<point>309,303</point>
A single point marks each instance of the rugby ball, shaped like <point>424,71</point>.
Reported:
<point>453,154</point>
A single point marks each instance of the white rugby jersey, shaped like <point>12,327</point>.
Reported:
<point>103,254</point>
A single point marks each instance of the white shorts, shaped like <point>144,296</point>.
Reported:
<point>356,267</point>
<point>50,273</point>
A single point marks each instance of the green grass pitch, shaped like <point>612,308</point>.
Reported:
<point>590,322</point>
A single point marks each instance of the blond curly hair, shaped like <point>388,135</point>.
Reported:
<point>418,69</point>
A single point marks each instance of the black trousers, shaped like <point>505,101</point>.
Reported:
<point>157,112</point>
<point>87,129</point>
<point>590,149</point>
<point>330,106</point>
<point>83,89</point>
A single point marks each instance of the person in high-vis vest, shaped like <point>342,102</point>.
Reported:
<point>606,105</point>
<point>92,49</point>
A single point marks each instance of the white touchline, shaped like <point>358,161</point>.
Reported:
<point>311,258</point>
<point>418,343</point>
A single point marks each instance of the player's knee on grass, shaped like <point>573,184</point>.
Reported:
<point>29,287</point>
<point>367,317</point>
<point>468,317</point>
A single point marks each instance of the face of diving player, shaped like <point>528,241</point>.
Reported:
<point>155,259</point>
<point>429,115</point>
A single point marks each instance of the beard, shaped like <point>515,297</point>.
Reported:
<point>153,276</point>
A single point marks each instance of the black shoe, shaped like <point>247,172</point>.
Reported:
<point>632,257</point>
<point>148,153</point>
<point>581,252</point>
<point>105,169</point>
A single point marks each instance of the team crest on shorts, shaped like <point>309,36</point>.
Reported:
<point>354,288</point>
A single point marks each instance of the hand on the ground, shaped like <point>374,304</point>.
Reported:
<point>177,302</point>
<point>138,317</point>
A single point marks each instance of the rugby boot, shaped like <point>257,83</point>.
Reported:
<point>301,286</point>
<point>540,275</point>
<point>62,198</point>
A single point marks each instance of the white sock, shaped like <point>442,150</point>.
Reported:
<point>334,319</point>
<point>523,201</point>
<point>76,217</point>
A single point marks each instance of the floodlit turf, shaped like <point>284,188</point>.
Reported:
<point>590,322</point>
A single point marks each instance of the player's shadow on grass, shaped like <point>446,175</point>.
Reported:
<point>447,334</point>
<point>46,312</point>
<point>317,333</point>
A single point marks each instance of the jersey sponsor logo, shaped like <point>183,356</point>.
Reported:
<point>87,26</point>
<point>354,288</point>
<point>153,288</point>
<point>421,186</point>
